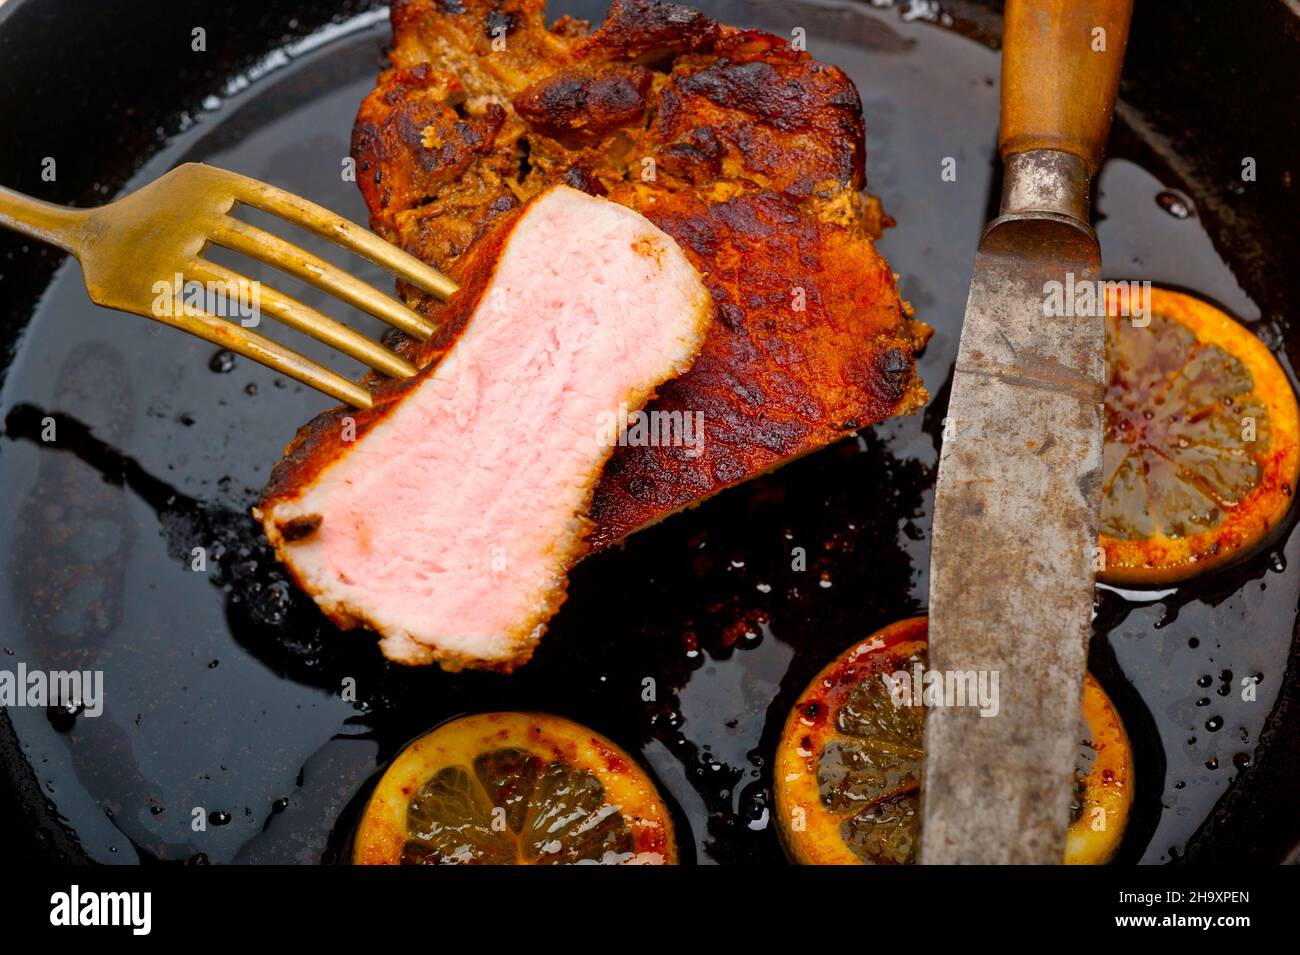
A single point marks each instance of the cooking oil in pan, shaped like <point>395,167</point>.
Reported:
<point>232,701</point>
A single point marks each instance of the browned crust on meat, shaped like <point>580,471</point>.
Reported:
<point>757,153</point>
<point>748,381</point>
<point>580,107</point>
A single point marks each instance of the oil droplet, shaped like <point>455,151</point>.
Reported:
<point>1241,761</point>
<point>219,818</point>
<point>1212,763</point>
<point>63,717</point>
<point>1175,203</point>
<point>1205,680</point>
<point>1214,724</point>
<point>222,362</point>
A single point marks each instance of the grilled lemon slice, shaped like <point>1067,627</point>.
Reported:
<point>848,766</point>
<point>1202,443</point>
<point>514,789</point>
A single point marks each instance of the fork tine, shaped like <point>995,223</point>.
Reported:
<point>310,322</point>
<point>287,257</point>
<point>263,350</point>
<point>340,231</point>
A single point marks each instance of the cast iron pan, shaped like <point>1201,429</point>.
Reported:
<point>223,686</point>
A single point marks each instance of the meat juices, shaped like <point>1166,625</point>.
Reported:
<point>450,521</point>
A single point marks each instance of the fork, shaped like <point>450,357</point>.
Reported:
<point>153,239</point>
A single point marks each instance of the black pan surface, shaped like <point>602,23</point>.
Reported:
<point>224,686</point>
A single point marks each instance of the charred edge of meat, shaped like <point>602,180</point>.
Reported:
<point>299,528</point>
<point>579,107</point>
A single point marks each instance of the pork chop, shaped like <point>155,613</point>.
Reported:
<point>747,151</point>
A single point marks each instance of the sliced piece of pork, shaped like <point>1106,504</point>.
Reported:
<point>447,516</point>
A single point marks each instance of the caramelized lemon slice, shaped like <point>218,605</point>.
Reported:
<point>1201,449</point>
<point>514,789</point>
<point>848,765</point>
<point>1104,782</point>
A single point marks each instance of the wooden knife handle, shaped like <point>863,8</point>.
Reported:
<point>1060,69</point>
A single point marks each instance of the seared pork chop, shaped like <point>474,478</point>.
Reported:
<point>746,151</point>
<point>448,514</point>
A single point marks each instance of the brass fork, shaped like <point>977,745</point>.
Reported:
<point>157,233</point>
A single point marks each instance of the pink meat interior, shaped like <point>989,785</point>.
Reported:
<point>455,518</point>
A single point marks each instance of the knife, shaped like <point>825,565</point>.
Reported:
<point>1019,487</point>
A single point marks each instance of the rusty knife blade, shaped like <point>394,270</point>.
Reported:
<point>1015,528</point>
